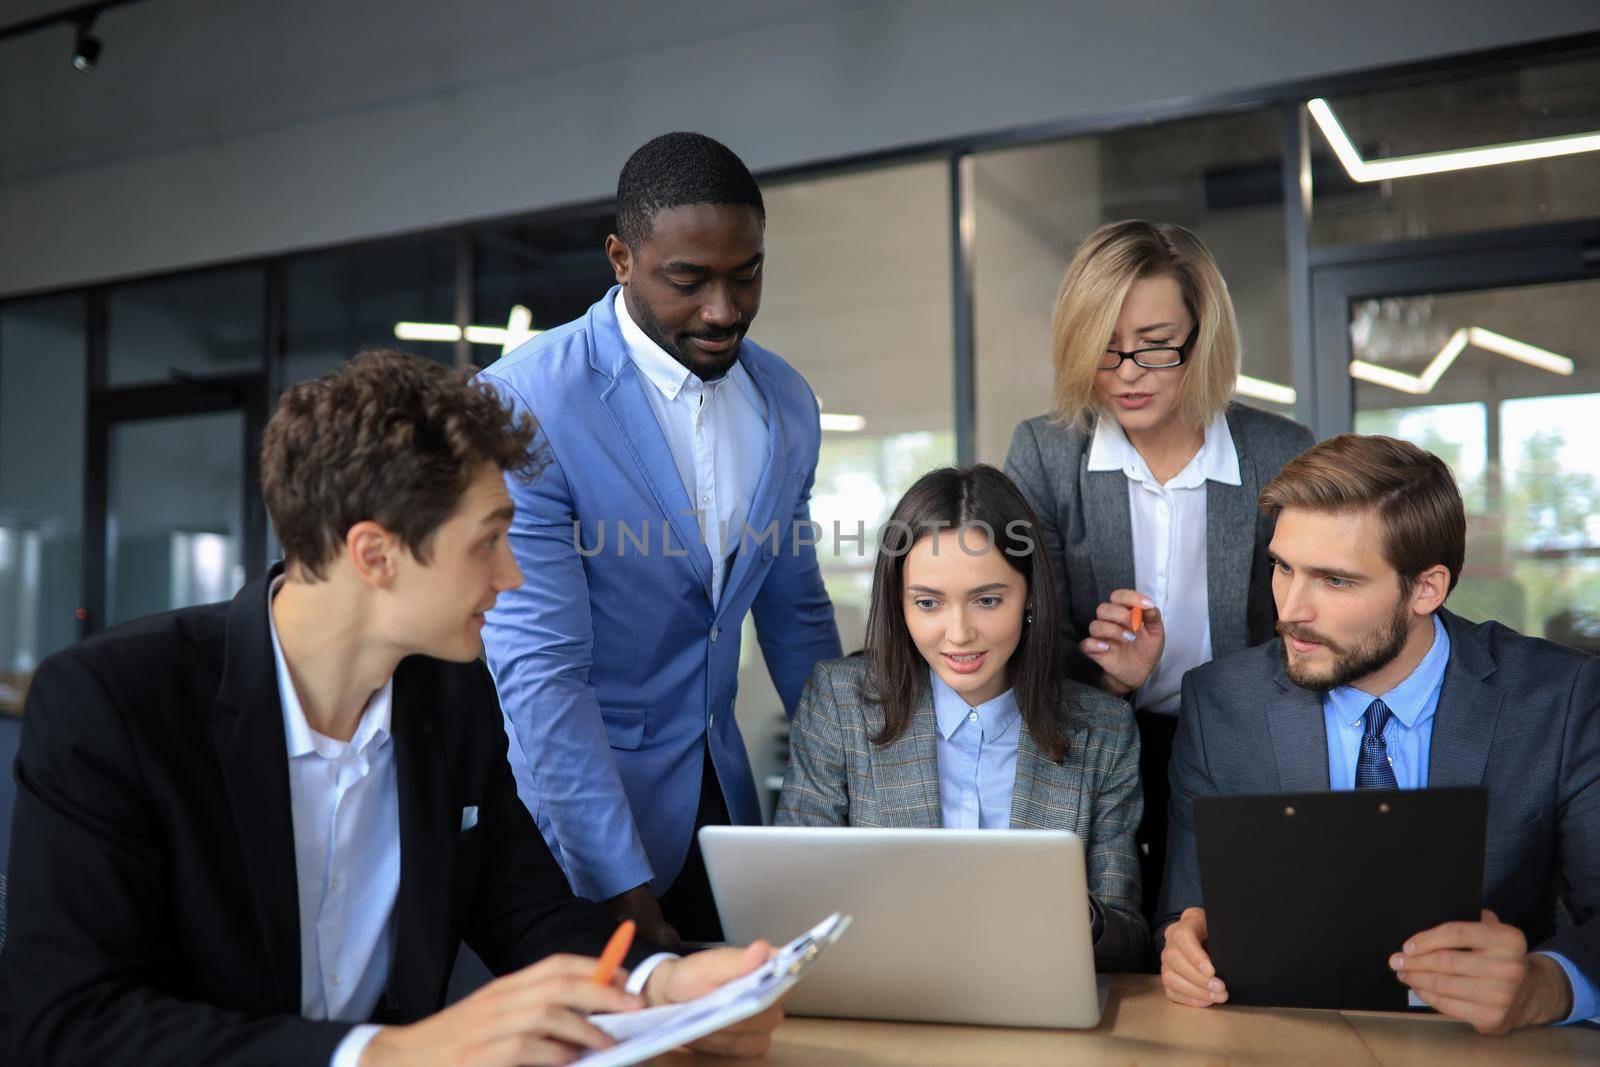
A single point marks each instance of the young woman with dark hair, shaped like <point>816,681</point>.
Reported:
<point>959,713</point>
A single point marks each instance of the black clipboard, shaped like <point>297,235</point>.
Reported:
<point>1307,895</point>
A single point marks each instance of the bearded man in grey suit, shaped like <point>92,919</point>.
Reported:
<point>1372,684</point>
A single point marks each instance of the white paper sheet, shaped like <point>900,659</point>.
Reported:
<point>652,1031</point>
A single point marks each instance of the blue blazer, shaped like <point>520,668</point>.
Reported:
<point>614,668</point>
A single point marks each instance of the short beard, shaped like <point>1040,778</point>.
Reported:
<point>644,316</point>
<point>1376,651</point>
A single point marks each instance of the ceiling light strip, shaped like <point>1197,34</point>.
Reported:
<point>1441,362</point>
<point>1362,170</point>
<point>1385,376</point>
<point>1261,389</point>
<point>518,328</point>
<point>1498,343</point>
<point>843,423</point>
<point>427,331</point>
<point>1521,351</point>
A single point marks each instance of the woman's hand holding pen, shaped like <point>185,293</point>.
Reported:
<point>1125,640</point>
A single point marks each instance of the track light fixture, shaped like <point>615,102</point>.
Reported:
<point>86,48</point>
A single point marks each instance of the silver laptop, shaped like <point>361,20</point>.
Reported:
<point>989,927</point>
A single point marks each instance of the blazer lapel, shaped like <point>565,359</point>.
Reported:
<point>1469,710</point>
<point>247,733</point>
<point>427,843</point>
<point>1231,515</point>
<point>1106,521</point>
<point>905,772</point>
<point>1047,796</point>
<point>773,477</point>
<point>636,423</point>
<point>1299,737</point>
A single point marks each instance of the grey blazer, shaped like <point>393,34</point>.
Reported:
<point>837,777</point>
<point>1516,714</point>
<point>1088,532</point>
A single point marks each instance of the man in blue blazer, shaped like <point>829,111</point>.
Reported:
<point>1372,684</point>
<point>677,499</point>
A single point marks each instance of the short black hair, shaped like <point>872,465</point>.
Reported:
<point>676,169</point>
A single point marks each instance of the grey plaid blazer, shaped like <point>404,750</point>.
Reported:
<point>837,777</point>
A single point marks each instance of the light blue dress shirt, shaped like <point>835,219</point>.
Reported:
<point>977,753</point>
<point>977,750</point>
<point>1409,737</point>
<point>1409,732</point>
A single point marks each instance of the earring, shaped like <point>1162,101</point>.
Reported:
<point>1027,616</point>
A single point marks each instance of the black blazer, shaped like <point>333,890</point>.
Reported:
<point>154,910</point>
<point>1517,715</point>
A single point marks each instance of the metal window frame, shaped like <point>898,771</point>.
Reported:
<point>109,406</point>
<point>1322,385</point>
<point>1525,255</point>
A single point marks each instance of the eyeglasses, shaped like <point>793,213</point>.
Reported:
<point>1150,358</point>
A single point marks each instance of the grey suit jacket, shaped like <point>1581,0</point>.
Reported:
<point>1088,532</point>
<point>1517,715</point>
<point>837,777</point>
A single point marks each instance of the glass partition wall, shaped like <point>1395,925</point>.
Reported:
<point>1219,176</point>
<point>919,311</point>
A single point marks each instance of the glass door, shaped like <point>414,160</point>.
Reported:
<point>1490,359</point>
<point>175,521</point>
<point>178,393</point>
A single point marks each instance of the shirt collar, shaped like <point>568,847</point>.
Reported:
<point>1412,696</point>
<point>658,368</point>
<point>1217,460</point>
<point>301,739</point>
<point>668,375</point>
<point>951,709</point>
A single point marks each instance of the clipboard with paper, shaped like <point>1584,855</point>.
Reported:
<point>653,1031</point>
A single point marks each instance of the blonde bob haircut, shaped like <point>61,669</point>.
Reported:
<point>1103,270</point>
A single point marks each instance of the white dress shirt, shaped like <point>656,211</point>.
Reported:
<point>717,432</point>
<point>1169,546</point>
<point>346,812</point>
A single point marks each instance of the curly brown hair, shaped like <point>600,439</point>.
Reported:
<point>391,438</point>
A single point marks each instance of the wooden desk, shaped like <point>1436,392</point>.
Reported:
<point>1141,1027</point>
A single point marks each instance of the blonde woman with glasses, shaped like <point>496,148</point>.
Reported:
<point>1145,479</point>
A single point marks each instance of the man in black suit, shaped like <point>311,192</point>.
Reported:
<point>255,833</point>
<point>1372,684</point>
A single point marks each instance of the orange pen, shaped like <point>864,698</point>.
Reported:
<point>1138,619</point>
<point>611,958</point>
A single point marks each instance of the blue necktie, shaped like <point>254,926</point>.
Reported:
<point>1372,767</point>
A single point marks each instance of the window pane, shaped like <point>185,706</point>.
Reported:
<point>857,298</point>
<point>1519,104</point>
<point>1504,385</point>
<point>199,324</point>
<point>555,270</point>
<point>42,390</point>
<point>1220,177</point>
<point>173,534</point>
<point>341,302</point>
